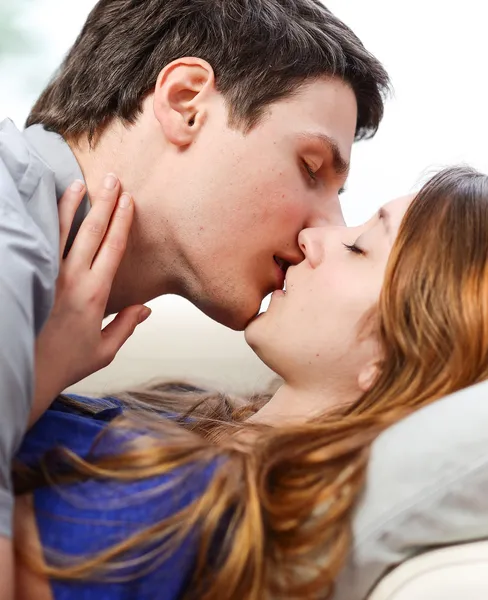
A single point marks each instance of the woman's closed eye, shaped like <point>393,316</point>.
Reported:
<point>353,248</point>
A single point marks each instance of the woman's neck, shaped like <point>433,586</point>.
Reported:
<point>292,405</point>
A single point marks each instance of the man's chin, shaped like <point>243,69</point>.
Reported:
<point>236,319</point>
<point>237,322</point>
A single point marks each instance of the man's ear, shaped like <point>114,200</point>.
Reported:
<point>368,375</point>
<point>180,99</point>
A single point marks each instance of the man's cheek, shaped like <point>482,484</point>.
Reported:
<point>292,213</point>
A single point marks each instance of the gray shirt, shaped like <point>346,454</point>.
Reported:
<point>36,167</point>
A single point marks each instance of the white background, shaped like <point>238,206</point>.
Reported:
<point>435,52</point>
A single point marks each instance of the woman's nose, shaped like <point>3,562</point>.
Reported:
<point>311,242</point>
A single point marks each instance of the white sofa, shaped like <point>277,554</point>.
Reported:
<point>458,572</point>
<point>426,489</point>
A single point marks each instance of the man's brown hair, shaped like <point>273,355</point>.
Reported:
<point>261,51</point>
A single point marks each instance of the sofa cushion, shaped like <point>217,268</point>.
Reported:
<point>452,573</point>
<point>427,487</point>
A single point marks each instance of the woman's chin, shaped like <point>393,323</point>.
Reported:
<point>257,332</point>
<point>265,340</point>
<point>249,332</point>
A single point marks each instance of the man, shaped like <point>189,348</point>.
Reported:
<point>230,123</point>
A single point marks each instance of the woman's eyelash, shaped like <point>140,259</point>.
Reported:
<point>353,248</point>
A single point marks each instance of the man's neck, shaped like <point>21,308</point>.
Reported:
<point>143,274</point>
<point>108,155</point>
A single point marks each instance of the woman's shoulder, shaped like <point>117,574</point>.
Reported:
<point>93,515</point>
<point>72,422</point>
<point>88,517</point>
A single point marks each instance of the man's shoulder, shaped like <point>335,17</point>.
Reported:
<point>22,166</point>
<point>12,142</point>
<point>28,188</point>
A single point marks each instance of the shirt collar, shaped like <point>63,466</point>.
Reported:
<point>53,150</point>
<point>57,155</point>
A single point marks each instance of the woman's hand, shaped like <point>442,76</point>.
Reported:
<point>72,344</point>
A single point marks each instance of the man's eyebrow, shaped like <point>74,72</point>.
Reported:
<point>340,164</point>
<point>384,216</point>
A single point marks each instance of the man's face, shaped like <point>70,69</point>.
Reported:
<point>241,199</point>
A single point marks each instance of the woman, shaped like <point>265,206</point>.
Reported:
<point>254,501</point>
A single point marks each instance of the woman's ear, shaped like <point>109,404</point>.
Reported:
<point>367,376</point>
<point>180,99</point>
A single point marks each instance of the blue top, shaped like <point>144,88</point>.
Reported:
<point>89,516</point>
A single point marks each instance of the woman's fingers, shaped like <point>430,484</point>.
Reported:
<point>72,345</point>
<point>118,331</point>
<point>114,244</point>
<point>94,227</point>
<point>67,207</point>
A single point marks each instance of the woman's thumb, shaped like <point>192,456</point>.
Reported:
<point>122,327</point>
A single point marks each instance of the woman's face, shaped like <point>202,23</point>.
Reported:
<point>316,333</point>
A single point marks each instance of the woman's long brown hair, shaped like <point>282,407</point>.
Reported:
<point>286,494</point>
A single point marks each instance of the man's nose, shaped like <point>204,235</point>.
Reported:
<point>311,242</point>
<point>329,214</point>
